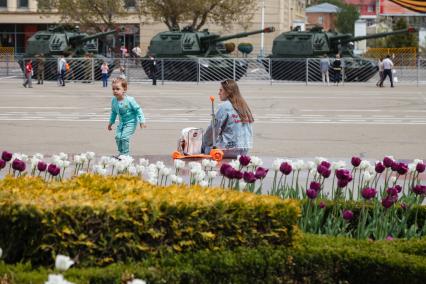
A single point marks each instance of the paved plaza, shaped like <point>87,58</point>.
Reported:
<point>291,120</point>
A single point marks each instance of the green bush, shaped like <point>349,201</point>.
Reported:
<point>317,259</point>
<point>105,220</point>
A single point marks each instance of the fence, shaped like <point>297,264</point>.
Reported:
<point>198,70</point>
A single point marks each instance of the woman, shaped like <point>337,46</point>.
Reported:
<point>337,70</point>
<point>233,123</point>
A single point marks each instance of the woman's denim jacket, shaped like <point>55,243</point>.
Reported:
<point>230,131</point>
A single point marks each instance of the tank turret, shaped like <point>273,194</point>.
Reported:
<point>67,41</point>
<point>317,43</point>
<point>186,46</point>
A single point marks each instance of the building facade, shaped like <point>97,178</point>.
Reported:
<point>20,19</point>
<point>323,15</point>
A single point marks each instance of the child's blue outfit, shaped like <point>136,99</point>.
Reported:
<point>130,114</point>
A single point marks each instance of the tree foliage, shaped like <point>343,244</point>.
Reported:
<point>401,40</point>
<point>196,13</point>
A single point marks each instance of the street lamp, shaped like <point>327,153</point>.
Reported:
<point>262,26</point>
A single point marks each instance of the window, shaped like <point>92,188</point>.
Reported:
<point>3,3</point>
<point>370,8</point>
<point>22,3</point>
<point>130,3</point>
<point>320,20</point>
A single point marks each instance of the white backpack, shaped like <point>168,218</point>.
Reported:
<point>191,141</point>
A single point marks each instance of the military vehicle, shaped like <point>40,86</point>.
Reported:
<point>188,54</point>
<point>291,49</point>
<point>74,45</point>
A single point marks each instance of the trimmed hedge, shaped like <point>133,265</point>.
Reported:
<point>102,220</point>
<point>317,259</point>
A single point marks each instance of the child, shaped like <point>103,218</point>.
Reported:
<point>104,69</point>
<point>130,114</point>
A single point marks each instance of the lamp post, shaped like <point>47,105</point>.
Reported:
<point>262,26</point>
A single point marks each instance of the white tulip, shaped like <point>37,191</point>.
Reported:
<point>310,165</point>
<point>63,156</point>
<point>100,170</point>
<point>153,180</point>
<point>165,171</point>
<point>179,164</point>
<point>105,161</point>
<point>212,174</point>
<point>34,163</point>
<point>38,156</point>
<point>140,169</point>
<point>90,155</point>
<point>60,163</point>
<point>66,164</point>
<point>242,184</point>
<point>371,169</point>
<point>63,262</point>
<point>159,165</point>
<point>298,165</point>
<point>194,165</point>
<point>144,162</point>
<point>366,176</point>
<point>200,176</point>
<point>57,279</point>
<point>204,183</point>
<point>173,178</point>
<point>56,159</point>
<point>392,180</point>
<point>136,281</point>
<point>235,164</point>
<point>256,161</point>
<point>365,164</point>
<point>132,170</point>
<point>319,160</point>
<point>276,164</point>
<point>213,163</point>
<point>77,159</point>
<point>83,157</point>
<point>412,167</point>
<point>121,166</point>
<point>205,163</point>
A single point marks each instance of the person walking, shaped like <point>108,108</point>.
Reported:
<point>380,64</point>
<point>324,66</point>
<point>104,70</point>
<point>62,69</point>
<point>129,112</point>
<point>337,70</point>
<point>40,60</point>
<point>387,70</point>
<point>28,74</point>
<point>232,125</point>
<point>153,69</point>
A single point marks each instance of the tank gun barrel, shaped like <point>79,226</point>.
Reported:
<point>379,35</point>
<point>224,38</point>
<point>97,35</point>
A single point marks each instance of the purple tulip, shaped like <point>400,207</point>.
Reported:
<point>380,168</point>
<point>368,193</point>
<point>311,193</point>
<point>286,168</point>
<point>261,173</point>
<point>419,189</point>
<point>420,167</point>
<point>389,238</point>
<point>6,156</point>
<point>41,166</point>
<point>402,168</point>
<point>344,174</point>
<point>387,162</point>
<point>322,205</point>
<point>249,177</point>
<point>326,173</point>
<point>229,172</point>
<point>223,168</point>
<point>315,186</point>
<point>53,170</point>
<point>341,183</point>
<point>2,163</point>
<point>18,165</point>
<point>389,200</point>
<point>321,169</point>
<point>348,215</point>
<point>244,160</point>
<point>394,166</point>
<point>325,164</point>
<point>238,174</point>
<point>392,191</point>
<point>355,161</point>
<point>398,188</point>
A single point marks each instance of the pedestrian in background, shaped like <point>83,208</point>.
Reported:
<point>337,70</point>
<point>153,69</point>
<point>387,70</point>
<point>380,64</point>
<point>324,66</point>
<point>104,70</point>
<point>28,74</point>
<point>62,69</point>
<point>40,60</point>
<point>122,72</point>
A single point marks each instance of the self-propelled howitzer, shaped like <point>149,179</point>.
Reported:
<point>315,44</point>
<point>182,52</point>
<point>73,45</point>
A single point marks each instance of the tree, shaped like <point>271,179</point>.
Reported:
<point>196,13</point>
<point>345,20</point>
<point>401,40</point>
